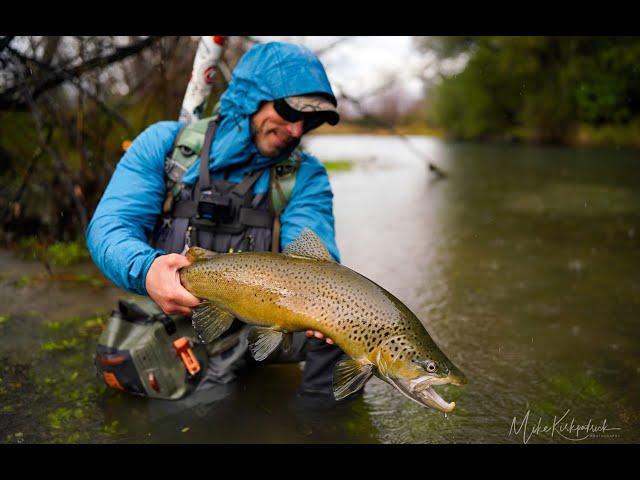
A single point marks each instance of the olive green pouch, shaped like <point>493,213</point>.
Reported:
<point>145,352</point>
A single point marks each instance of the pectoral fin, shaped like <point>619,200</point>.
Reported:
<point>263,341</point>
<point>210,321</point>
<point>349,376</point>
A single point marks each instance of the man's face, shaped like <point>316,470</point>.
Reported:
<point>271,133</point>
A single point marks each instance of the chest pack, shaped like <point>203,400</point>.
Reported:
<point>218,214</point>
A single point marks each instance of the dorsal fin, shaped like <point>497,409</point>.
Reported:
<point>197,254</point>
<point>308,245</point>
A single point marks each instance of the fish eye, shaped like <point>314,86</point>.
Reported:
<point>431,367</point>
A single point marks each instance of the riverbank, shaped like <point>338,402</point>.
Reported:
<point>607,136</point>
<point>581,136</point>
<point>51,317</point>
<point>625,137</point>
<point>344,128</point>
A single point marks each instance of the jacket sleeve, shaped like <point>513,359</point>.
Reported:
<point>118,234</point>
<point>310,205</point>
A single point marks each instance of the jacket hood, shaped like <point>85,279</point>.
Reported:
<point>264,73</point>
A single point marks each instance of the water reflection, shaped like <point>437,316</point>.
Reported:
<point>262,406</point>
<point>521,263</point>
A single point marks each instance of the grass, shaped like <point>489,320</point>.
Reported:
<point>356,129</point>
<point>338,165</point>
<point>80,278</point>
<point>59,254</point>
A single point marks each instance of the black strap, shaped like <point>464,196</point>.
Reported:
<point>251,217</point>
<point>255,218</point>
<point>169,325</point>
<point>185,209</point>
<point>204,182</point>
<point>247,183</point>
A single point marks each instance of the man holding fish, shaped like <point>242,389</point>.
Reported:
<point>278,92</point>
<point>235,201</point>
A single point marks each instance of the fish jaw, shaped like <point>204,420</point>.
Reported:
<point>455,376</point>
<point>421,391</point>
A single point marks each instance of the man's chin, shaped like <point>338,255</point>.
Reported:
<point>272,151</point>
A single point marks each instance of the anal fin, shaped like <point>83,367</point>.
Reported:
<point>263,341</point>
<point>210,321</point>
<point>349,376</point>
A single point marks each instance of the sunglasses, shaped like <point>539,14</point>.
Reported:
<point>311,119</point>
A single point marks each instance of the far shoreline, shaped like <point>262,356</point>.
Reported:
<point>582,137</point>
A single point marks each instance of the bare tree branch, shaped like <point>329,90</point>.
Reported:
<point>61,169</point>
<point>50,49</point>
<point>10,98</point>
<point>78,84</point>
<point>225,70</point>
<point>5,41</point>
<point>25,180</point>
<point>252,40</point>
<point>357,102</point>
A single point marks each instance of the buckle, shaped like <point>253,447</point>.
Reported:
<point>111,380</point>
<point>183,348</point>
<point>214,209</point>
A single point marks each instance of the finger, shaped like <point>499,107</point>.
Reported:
<point>184,299</point>
<point>183,296</point>
<point>329,341</point>
<point>187,312</point>
<point>178,261</point>
<point>174,309</point>
<point>318,334</point>
<point>309,333</point>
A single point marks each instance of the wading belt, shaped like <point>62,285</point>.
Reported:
<point>221,206</point>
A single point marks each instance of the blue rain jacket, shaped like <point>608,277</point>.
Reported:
<point>119,232</point>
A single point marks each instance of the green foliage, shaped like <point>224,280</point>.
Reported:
<point>66,344</point>
<point>60,254</point>
<point>67,253</point>
<point>534,88</point>
<point>338,165</point>
<point>580,385</point>
<point>602,99</point>
<point>67,391</point>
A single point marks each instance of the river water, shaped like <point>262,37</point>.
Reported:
<point>522,263</point>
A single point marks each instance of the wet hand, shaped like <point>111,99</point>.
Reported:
<point>164,287</point>
<point>318,335</point>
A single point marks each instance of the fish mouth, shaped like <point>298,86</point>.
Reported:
<point>421,391</point>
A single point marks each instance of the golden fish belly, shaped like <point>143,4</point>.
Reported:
<point>296,294</point>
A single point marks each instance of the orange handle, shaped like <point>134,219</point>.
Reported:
<point>111,380</point>
<point>183,347</point>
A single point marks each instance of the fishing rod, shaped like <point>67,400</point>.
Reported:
<point>205,65</point>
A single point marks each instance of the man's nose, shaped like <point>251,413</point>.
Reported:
<point>296,129</point>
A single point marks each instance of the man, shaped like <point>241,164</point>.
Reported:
<point>278,92</point>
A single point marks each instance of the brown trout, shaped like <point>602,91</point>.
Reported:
<point>305,289</point>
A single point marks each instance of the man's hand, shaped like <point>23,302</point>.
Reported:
<point>164,287</point>
<point>318,335</point>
